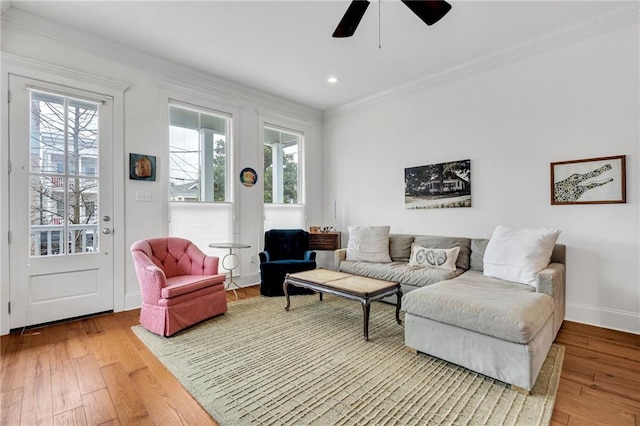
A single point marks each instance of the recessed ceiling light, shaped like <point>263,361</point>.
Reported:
<point>332,80</point>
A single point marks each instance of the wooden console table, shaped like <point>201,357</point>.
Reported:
<point>324,240</point>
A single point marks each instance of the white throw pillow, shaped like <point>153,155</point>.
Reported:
<point>518,255</point>
<point>369,243</point>
<point>434,257</point>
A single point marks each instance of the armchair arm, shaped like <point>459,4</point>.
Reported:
<point>551,281</point>
<point>310,255</point>
<point>210,265</point>
<point>152,280</point>
<point>264,256</point>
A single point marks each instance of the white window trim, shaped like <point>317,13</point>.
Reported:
<point>177,95</point>
<point>295,126</point>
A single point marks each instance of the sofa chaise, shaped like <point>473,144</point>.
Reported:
<point>496,327</point>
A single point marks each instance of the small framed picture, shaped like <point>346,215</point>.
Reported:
<point>591,181</point>
<point>142,167</point>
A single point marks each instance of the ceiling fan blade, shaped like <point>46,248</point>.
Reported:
<point>430,11</point>
<point>351,18</point>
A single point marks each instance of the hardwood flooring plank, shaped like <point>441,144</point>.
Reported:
<point>559,418</point>
<point>37,405</point>
<point>593,332</point>
<point>192,411</point>
<point>123,393</point>
<point>66,393</point>
<point>624,405</point>
<point>98,407</point>
<point>76,342</point>
<point>576,407</point>
<point>102,348</point>
<point>73,417</point>
<point>88,374</point>
<point>126,351</point>
<point>597,362</point>
<point>162,409</point>
<point>11,407</point>
<point>65,388</point>
<point>13,363</point>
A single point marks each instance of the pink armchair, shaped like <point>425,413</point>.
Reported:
<point>180,285</point>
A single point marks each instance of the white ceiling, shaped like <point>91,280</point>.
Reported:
<point>285,47</point>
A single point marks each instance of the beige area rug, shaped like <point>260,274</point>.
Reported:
<point>259,364</point>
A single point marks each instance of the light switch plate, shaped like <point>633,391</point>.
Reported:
<point>143,196</point>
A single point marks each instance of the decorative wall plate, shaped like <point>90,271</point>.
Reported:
<point>248,176</point>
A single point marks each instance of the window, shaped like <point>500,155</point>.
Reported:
<point>199,170</point>
<point>283,206</point>
<point>198,156</point>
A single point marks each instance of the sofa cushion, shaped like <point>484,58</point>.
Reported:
<point>502,309</point>
<point>447,243</point>
<point>478,247</point>
<point>400,246</point>
<point>519,254</point>
<point>399,272</point>
<point>426,257</point>
<point>369,243</point>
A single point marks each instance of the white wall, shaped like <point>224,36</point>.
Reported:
<point>578,101</point>
<point>150,82</point>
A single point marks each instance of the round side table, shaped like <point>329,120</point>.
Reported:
<point>230,261</point>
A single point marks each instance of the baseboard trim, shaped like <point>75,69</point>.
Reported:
<point>613,319</point>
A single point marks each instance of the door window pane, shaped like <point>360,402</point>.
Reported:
<point>64,153</point>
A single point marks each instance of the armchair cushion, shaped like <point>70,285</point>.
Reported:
<point>187,283</point>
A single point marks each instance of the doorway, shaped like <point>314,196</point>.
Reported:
<point>61,202</point>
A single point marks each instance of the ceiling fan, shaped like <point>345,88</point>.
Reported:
<point>430,11</point>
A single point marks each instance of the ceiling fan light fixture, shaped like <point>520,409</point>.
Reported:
<point>430,11</point>
<point>351,19</point>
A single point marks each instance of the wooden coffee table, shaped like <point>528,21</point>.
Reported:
<point>363,289</point>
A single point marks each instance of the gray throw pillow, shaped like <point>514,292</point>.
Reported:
<point>400,247</point>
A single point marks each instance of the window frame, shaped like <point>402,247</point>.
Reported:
<point>229,164</point>
<point>290,125</point>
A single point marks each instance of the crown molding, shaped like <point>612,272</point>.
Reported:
<point>621,17</point>
<point>191,79</point>
<point>46,68</point>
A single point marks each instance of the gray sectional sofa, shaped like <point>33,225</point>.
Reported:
<point>498,328</point>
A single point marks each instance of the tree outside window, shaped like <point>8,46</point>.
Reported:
<point>63,139</point>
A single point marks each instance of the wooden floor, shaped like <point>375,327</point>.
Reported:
<point>96,372</point>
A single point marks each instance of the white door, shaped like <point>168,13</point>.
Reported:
<point>61,200</point>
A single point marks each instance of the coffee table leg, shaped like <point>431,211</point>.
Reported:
<point>398,304</point>
<point>285,288</point>
<point>366,308</point>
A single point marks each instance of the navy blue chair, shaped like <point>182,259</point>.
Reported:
<point>285,251</point>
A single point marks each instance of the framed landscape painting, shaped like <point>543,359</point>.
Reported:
<point>591,181</point>
<point>436,186</point>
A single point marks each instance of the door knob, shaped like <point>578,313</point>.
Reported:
<point>106,231</point>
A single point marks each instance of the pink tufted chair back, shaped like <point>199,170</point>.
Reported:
<point>175,256</point>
